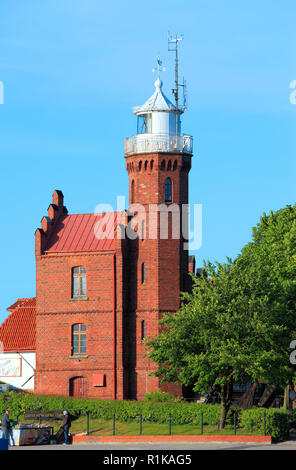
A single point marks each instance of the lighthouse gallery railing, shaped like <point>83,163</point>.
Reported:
<point>149,143</point>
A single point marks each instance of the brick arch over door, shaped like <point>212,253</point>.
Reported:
<point>78,387</point>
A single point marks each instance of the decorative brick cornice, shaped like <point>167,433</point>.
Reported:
<point>76,313</point>
<point>83,253</point>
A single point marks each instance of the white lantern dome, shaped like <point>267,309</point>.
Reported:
<point>158,115</point>
<point>158,125</point>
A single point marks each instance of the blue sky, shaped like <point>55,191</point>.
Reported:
<point>72,71</point>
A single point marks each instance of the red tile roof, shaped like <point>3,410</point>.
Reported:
<point>19,302</point>
<point>81,232</point>
<point>18,331</point>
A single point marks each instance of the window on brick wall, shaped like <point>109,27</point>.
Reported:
<point>79,338</point>
<point>143,273</point>
<point>132,192</point>
<point>143,330</point>
<point>168,190</point>
<point>143,230</point>
<point>78,281</point>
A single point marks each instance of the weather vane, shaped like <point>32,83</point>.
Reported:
<point>159,67</point>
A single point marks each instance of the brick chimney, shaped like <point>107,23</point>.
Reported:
<point>55,210</point>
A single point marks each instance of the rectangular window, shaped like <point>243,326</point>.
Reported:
<point>83,285</point>
<point>143,273</point>
<point>76,346</point>
<point>143,330</point>
<point>83,343</point>
<point>75,286</point>
<point>79,339</point>
<point>79,281</point>
<point>144,124</point>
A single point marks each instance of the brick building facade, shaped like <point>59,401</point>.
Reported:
<point>104,280</point>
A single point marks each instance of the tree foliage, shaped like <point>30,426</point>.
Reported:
<point>237,325</point>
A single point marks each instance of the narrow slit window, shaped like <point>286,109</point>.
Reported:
<point>133,192</point>
<point>143,274</point>
<point>168,190</point>
<point>143,330</point>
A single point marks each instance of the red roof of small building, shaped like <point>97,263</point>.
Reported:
<point>18,331</point>
<point>84,232</point>
<point>19,302</point>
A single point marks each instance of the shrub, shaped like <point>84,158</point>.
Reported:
<point>277,422</point>
<point>153,411</point>
<point>159,396</point>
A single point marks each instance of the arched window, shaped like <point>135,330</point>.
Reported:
<point>162,165</point>
<point>146,165</point>
<point>168,190</point>
<point>151,165</point>
<point>175,165</point>
<point>140,165</point>
<point>79,338</point>
<point>143,273</point>
<point>143,330</point>
<point>169,165</point>
<point>133,192</point>
<point>78,281</point>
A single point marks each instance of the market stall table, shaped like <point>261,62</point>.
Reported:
<point>31,434</point>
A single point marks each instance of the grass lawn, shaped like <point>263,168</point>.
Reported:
<point>99,427</point>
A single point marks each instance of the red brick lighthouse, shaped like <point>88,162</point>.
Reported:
<point>158,160</point>
<point>99,297</point>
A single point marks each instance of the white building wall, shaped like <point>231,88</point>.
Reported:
<point>17,369</point>
<point>160,123</point>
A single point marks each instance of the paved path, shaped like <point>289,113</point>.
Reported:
<point>288,445</point>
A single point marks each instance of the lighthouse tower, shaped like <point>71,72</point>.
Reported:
<point>158,161</point>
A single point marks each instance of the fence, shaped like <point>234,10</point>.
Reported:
<point>147,143</point>
<point>234,427</point>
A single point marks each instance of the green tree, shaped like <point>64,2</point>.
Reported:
<point>239,321</point>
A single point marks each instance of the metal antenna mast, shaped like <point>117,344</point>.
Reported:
<point>173,46</point>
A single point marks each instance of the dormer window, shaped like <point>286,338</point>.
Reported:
<point>79,281</point>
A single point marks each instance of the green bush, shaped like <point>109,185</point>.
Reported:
<point>159,396</point>
<point>277,422</point>
<point>156,412</point>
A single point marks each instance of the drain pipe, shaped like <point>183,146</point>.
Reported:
<point>114,326</point>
